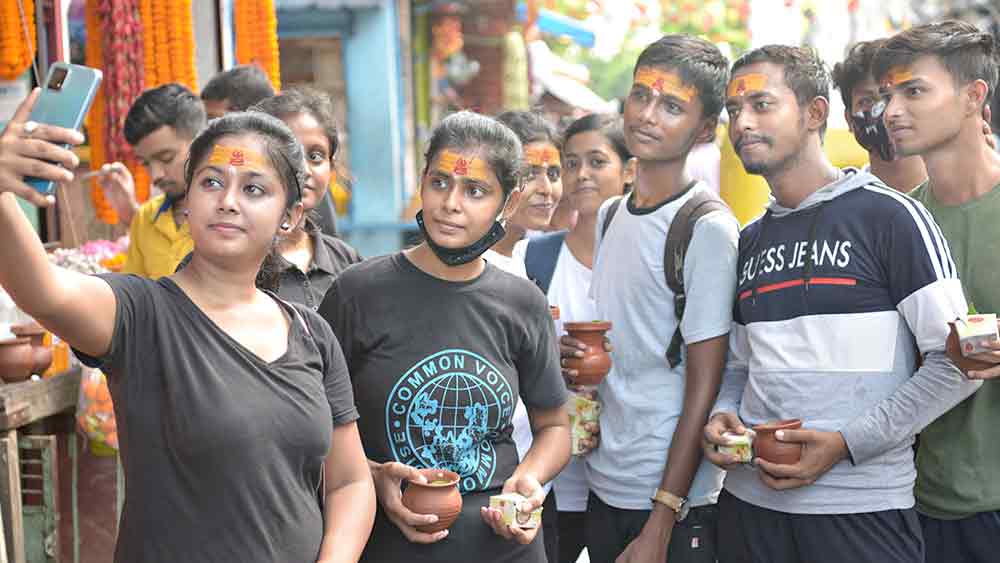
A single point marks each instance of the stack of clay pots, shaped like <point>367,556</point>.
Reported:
<point>24,354</point>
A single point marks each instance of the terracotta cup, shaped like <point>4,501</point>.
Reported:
<point>953,349</point>
<point>42,354</point>
<point>596,362</point>
<point>16,359</point>
<point>767,446</point>
<point>438,496</point>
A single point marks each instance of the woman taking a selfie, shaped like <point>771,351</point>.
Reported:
<point>441,345</point>
<point>236,418</point>
<point>306,260</point>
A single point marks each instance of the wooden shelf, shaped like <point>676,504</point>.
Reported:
<point>28,401</point>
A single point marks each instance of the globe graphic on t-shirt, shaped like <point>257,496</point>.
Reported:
<point>448,420</point>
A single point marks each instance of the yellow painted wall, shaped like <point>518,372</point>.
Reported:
<point>748,195</point>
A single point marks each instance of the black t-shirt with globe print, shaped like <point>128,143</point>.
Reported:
<point>436,368</point>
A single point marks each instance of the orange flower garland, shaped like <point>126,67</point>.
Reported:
<point>256,25</point>
<point>188,73</point>
<point>15,52</point>
<point>96,118</point>
<point>243,13</point>
<point>148,42</point>
<point>161,44</point>
<point>166,40</point>
<point>180,45</point>
<point>269,43</point>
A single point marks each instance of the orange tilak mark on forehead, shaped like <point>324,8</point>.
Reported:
<point>542,156</point>
<point>223,155</point>
<point>747,83</point>
<point>665,83</point>
<point>896,76</point>
<point>458,165</point>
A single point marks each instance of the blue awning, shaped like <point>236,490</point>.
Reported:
<point>558,24</point>
<point>326,4</point>
<point>318,18</point>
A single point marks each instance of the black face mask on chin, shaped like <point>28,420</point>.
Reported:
<point>871,133</point>
<point>466,254</point>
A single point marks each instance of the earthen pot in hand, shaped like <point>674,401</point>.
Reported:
<point>439,496</point>
<point>42,353</point>
<point>953,349</point>
<point>16,359</point>
<point>596,362</point>
<point>767,447</point>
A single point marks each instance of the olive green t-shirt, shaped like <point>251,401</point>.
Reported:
<point>958,455</point>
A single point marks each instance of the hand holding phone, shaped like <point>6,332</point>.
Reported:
<point>36,151</point>
<point>65,100</point>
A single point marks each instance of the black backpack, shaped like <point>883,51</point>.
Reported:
<point>674,250</point>
<point>541,256</point>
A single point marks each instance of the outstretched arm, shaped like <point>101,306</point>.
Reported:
<point>79,309</point>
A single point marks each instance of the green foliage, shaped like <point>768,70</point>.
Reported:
<point>719,21</point>
<point>612,78</point>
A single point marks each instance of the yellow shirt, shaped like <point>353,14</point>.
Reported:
<point>156,244</point>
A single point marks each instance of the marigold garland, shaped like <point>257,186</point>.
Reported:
<point>144,44</point>
<point>16,53</point>
<point>161,44</point>
<point>182,36</point>
<point>256,25</point>
<point>96,120</point>
<point>148,42</point>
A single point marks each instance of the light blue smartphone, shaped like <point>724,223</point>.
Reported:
<point>64,102</point>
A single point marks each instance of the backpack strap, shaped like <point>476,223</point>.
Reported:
<point>612,209</point>
<point>679,236</point>
<point>541,256</point>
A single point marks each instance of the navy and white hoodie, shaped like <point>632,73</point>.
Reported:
<point>834,300</point>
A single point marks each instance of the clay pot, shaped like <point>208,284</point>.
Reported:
<point>42,353</point>
<point>438,496</point>
<point>767,446</point>
<point>953,349</point>
<point>596,362</point>
<point>16,359</point>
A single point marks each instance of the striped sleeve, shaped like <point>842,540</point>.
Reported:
<point>923,282</point>
<point>922,277</point>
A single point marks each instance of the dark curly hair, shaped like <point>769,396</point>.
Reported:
<point>967,52</point>
<point>242,86</point>
<point>855,68</point>
<point>171,105</point>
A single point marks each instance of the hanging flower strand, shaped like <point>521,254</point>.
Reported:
<point>16,52</point>
<point>256,24</point>
<point>96,118</point>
